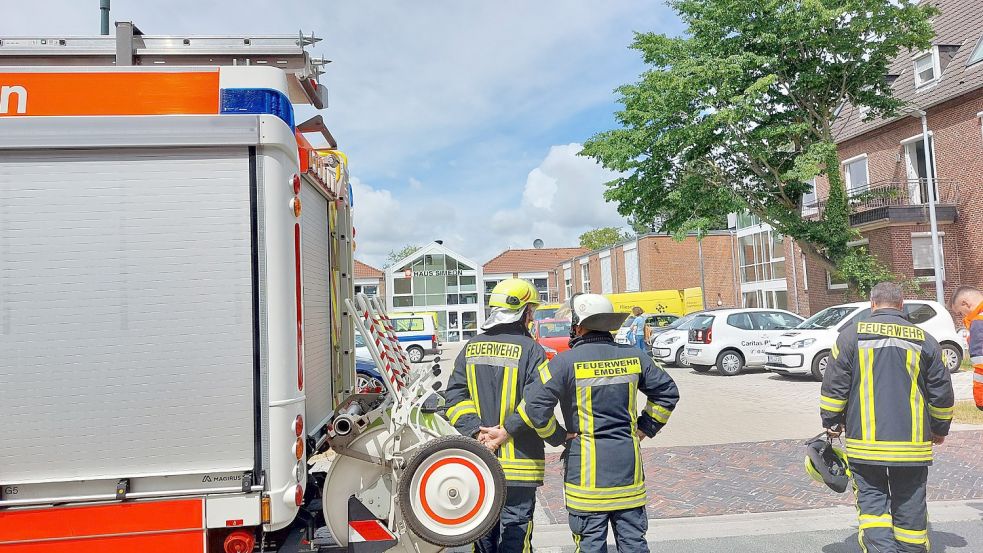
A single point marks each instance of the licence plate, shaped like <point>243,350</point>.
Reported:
<point>691,351</point>
<point>775,359</point>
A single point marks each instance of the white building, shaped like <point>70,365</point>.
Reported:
<point>435,279</point>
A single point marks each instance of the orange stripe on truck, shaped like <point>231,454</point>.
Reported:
<point>109,93</point>
<point>144,526</point>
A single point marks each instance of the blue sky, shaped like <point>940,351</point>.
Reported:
<point>461,119</point>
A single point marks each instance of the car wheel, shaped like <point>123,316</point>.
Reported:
<point>819,364</point>
<point>730,362</point>
<point>701,368</point>
<point>415,354</point>
<point>952,357</point>
<point>367,384</point>
<point>681,359</point>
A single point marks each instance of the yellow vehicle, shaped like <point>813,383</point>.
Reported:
<point>676,302</point>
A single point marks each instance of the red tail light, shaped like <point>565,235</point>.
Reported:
<point>433,340</point>
<point>709,336</point>
<point>298,496</point>
<point>239,541</point>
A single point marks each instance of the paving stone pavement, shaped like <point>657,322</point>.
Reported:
<point>756,477</point>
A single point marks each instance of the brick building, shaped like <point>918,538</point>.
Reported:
<point>538,265</point>
<point>657,262</point>
<point>884,168</point>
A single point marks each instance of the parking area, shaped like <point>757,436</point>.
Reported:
<point>750,407</point>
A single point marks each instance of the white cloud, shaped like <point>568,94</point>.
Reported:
<point>562,198</point>
<point>415,184</point>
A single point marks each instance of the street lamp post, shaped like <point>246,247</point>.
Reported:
<point>933,222</point>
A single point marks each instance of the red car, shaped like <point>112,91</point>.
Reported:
<point>553,335</point>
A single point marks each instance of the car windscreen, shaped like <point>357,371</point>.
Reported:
<point>545,313</point>
<point>554,330</point>
<point>827,318</point>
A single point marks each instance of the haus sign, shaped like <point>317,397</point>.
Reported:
<point>437,272</point>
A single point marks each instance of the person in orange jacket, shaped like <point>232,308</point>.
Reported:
<point>967,302</point>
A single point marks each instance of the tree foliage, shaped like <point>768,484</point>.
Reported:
<point>396,255</point>
<point>601,238</point>
<point>739,113</point>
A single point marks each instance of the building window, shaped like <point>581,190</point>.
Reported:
<point>855,174</point>
<point>543,287</point>
<point>921,256</point>
<point>567,283</point>
<point>367,289</point>
<point>607,282</point>
<point>926,68</point>
<point>585,278</point>
<point>489,286</point>
<point>432,280</point>
<point>632,282</point>
<point>762,256</point>
<point>809,200</point>
<point>977,54</point>
<point>835,282</point>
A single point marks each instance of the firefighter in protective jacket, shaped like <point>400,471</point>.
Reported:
<point>967,302</point>
<point>596,384</point>
<point>490,378</point>
<point>889,391</point>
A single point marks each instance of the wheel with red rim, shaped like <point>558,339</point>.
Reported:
<point>452,491</point>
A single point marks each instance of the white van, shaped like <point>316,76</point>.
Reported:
<point>417,333</point>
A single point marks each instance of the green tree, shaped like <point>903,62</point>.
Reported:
<point>739,113</point>
<point>401,253</point>
<point>601,238</point>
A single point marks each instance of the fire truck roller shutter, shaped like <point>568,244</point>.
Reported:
<point>125,314</point>
<point>317,306</point>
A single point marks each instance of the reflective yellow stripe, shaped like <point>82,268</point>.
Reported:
<point>473,387</point>
<point>576,543</point>
<point>527,543</point>
<point>658,412</point>
<point>835,351</point>
<point>587,453</point>
<point>917,537</point>
<point>868,418</point>
<point>941,413</point>
<point>466,407</point>
<point>875,521</point>
<point>633,420</point>
<point>543,432</point>
<point>544,371</point>
<point>832,404</point>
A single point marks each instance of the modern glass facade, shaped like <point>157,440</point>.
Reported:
<point>439,281</point>
<point>761,259</point>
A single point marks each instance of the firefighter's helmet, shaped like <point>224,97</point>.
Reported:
<point>508,302</point>
<point>595,312</point>
<point>827,464</point>
<point>513,294</point>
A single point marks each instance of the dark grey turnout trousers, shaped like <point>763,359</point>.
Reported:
<point>892,509</point>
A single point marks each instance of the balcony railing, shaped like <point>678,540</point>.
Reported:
<point>876,200</point>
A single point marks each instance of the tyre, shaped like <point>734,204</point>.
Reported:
<point>452,491</point>
<point>701,368</point>
<point>366,383</point>
<point>952,357</point>
<point>415,353</point>
<point>681,359</point>
<point>730,362</point>
<point>819,364</point>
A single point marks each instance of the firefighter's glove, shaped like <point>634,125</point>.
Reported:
<point>647,426</point>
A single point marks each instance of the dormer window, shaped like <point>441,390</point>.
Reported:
<point>977,54</point>
<point>927,68</point>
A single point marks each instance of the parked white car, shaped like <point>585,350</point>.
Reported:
<point>732,339</point>
<point>669,346</point>
<point>805,350</point>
